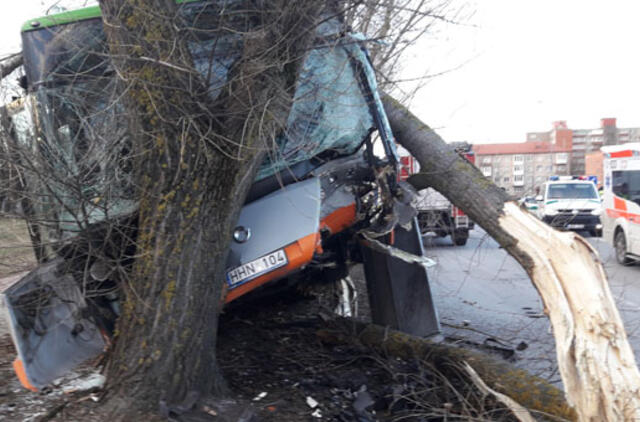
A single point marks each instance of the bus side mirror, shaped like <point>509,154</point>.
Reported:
<point>539,198</point>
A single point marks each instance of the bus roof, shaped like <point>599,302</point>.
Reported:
<point>69,16</point>
<point>62,18</point>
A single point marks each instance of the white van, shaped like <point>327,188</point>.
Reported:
<point>571,203</point>
<point>621,197</point>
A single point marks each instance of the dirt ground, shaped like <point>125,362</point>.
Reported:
<point>276,366</point>
<point>279,369</point>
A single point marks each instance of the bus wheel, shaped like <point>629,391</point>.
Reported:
<point>620,244</point>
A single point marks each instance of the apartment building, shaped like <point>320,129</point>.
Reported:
<point>521,168</point>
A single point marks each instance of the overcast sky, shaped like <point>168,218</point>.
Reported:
<point>520,64</point>
<point>533,62</point>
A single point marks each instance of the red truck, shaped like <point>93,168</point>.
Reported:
<point>436,214</point>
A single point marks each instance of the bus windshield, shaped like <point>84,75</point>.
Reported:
<point>572,191</point>
<point>333,113</point>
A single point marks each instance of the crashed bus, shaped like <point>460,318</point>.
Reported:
<point>320,201</point>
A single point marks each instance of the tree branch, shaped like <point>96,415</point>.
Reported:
<point>595,359</point>
<point>10,64</point>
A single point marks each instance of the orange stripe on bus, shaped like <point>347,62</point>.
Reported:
<point>298,254</point>
<point>18,367</point>
<point>340,219</point>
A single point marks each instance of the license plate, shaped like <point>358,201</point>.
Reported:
<point>257,267</point>
<point>575,226</point>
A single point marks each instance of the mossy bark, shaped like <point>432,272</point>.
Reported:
<point>530,391</point>
<point>196,159</point>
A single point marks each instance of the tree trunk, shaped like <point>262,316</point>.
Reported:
<point>10,64</point>
<point>196,160</point>
<point>597,364</point>
<point>529,391</point>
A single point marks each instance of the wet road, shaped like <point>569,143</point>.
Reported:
<point>484,296</point>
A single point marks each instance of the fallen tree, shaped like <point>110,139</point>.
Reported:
<point>596,362</point>
<point>530,392</point>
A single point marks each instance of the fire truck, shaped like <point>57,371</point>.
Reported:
<point>436,214</point>
<point>621,200</point>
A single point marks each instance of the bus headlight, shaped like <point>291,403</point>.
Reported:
<point>551,212</point>
<point>596,211</point>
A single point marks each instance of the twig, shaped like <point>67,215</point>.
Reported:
<point>518,410</point>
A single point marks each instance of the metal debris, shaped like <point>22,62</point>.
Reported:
<point>260,396</point>
<point>398,253</point>
<point>311,402</point>
<point>347,298</point>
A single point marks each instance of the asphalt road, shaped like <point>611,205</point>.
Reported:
<point>485,297</point>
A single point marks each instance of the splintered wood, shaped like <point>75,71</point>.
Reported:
<point>597,364</point>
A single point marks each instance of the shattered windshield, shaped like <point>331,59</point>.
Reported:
<point>84,126</point>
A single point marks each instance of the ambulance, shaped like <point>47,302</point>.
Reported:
<point>621,200</point>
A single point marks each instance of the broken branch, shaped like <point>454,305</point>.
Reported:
<point>10,64</point>
<point>595,359</point>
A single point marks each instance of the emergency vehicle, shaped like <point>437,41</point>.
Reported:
<point>436,214</point>
<point>621,200</point>
<point>571,203</point>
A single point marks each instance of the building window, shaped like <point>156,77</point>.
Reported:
<point>518,168</point>
<point>486,171</point>
<point>518,178</point>
<point>538,168</point>
<point>518,158</point>
<point>506,180</point>
<point>562,157</point>
<point>529,157</point>
<point>486,160</point>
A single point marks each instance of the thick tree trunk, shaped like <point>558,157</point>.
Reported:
<point>196,161</point>
<point>597,364</point>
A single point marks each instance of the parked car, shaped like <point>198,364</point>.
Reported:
<point>529,202</point>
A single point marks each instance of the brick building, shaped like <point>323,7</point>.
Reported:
<point>521,168</point>
<point>593,165</point>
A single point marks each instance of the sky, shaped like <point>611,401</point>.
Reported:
<point>509,67</point>
<point>527,63</point>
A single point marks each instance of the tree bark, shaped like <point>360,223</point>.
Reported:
<point>10,64</point>
<point>196,161</point>
<point>529,391</point>
<point>597,364</point>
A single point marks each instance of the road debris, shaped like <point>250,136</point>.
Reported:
<point>92,381</point>
<point>260,396</point>
<point>311,402</point>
